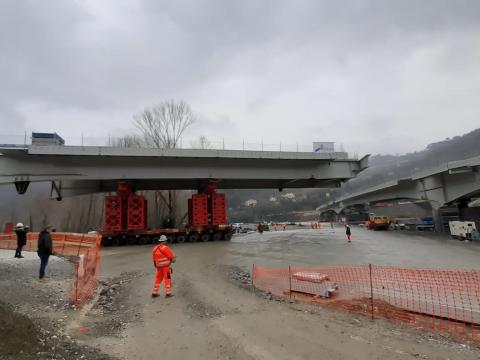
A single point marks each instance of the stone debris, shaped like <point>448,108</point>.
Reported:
<point>112,304</point>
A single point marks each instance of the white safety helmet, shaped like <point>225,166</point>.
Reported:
<point>162,239</point>
<point>19,225</point>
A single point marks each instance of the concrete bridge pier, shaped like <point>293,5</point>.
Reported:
<point>437,217</point>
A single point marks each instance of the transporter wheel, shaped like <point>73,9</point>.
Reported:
<point>170,239</point>
<point>131,240</point>
<point>205,237</point>
<point>227,236</point>
<point>193,237</point>
<point>115,241</point>
<point>106,242</point>
<point>143,240</point>
<point>217,236</point>
<point>181,239</point>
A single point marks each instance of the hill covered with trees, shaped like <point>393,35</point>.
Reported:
<point>381,168</point>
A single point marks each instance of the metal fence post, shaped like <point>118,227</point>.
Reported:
<point>80,246</point>
<point>371,288</point>
<point>253,274</point>
<point>290,281</point>
<point>64,241</point>
<point>76,284</point>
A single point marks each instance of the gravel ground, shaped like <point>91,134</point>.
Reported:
<point>215,313</point>
<point>112,305</point>
<point>34,316</point>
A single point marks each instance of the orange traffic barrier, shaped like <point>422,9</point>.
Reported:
<point>82,249</point>
<point>446,302</point>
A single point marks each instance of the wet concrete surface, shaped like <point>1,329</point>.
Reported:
<point>328,246</point>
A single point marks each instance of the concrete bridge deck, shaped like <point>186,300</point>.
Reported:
<point>82,169</point>
<point>441,185</point>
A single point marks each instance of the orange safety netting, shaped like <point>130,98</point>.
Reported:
<point>82,249</point>
<point>446,302</point>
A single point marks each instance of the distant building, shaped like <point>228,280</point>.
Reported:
<point>250,203</point>
<point>289,196</point>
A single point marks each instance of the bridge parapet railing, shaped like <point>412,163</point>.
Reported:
<point>186,143</point>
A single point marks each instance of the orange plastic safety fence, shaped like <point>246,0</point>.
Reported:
<point>446,302</point>
<point>82,249</point>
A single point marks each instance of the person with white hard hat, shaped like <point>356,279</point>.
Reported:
<point>21,232</point>
<point>162,258</point>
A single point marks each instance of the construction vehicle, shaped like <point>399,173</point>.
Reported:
<point>376,222</point>
<point>125,218</point>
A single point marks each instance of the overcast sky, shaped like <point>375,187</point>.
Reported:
<point>377,76</point>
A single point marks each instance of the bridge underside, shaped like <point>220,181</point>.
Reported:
<point>454,184</point>
<point>79,187</point>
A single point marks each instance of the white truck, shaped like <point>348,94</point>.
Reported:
<point>463,230</point>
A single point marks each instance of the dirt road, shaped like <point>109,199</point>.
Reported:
<point>215,317</point>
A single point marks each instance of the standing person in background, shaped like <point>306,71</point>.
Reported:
<point>45,249</point>
<point>260,228</point>
<point>21,232</point>
<point>348,232</point>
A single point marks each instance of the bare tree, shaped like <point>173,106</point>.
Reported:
<point>201,143</point>
<point>127,141</point>
<point>162,126</point>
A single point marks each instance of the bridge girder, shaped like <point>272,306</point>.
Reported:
<point>77,170</point>
<point>446,184</point>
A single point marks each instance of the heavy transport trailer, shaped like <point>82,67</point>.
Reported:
<point>213,233</point>
<point>125,218</point>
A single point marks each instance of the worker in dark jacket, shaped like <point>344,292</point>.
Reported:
<point>348,232</point>
<point>45,249</point>
<point>21,232</point>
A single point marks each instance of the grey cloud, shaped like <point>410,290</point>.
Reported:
<point>282,67</point>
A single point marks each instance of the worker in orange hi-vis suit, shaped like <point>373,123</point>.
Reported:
<point>162,258</point>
